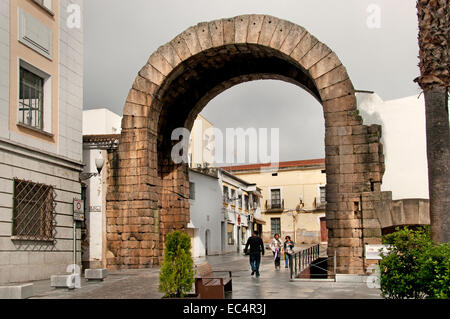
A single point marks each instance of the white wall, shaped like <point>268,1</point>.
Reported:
<point>404,142</point>
<point>206,213</point>
<point>101,121</point>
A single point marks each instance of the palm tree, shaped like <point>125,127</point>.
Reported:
<point>434,33</point>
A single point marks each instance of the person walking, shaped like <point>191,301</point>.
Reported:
<point>256,249</point>
<point>288,248</point>
<point>275,246</point>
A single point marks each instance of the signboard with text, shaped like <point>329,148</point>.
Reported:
<point>373,252</point>
<point>78,210</point>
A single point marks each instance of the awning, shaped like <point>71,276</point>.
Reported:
<point>258,221</point>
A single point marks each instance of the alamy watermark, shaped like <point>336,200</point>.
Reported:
<point>74,16</point>
<point>235,145</point>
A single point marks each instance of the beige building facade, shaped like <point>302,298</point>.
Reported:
<point>293,199</point>
<point>41,93</point>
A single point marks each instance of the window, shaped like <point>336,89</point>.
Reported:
<point>246,203</point>
<point>31,99</point>
<point>239,201</point>
<point>33,211</point>
<point>226,196</point>
<point>322,194</point>
<point>192,191</point>
<point>275,224</point>
<point>230,234</point>
<point>275,198</point>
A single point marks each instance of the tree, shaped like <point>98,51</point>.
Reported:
<point>176,276</point>
<point>434,80</point>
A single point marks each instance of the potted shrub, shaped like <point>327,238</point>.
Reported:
<point>176,277</point>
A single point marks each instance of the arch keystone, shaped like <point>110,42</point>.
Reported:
<point>254,28</point>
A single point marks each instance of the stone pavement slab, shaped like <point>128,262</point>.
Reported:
<point>273,284</point>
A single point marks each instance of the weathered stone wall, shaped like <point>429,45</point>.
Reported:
<point>148,196</point>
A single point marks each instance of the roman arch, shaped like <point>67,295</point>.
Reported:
<point>148,194</point>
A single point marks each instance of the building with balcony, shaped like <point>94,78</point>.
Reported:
<point>41,97</point>
<point>224,210</point>
<point>293,198</point>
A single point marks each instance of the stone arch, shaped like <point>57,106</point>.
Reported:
<point>148,193</point>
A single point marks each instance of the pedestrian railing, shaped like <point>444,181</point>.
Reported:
<point>305,258</point>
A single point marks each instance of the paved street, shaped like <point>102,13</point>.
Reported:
<point>143,284</point>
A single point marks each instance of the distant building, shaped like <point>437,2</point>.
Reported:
<point>293,198</point>
<point>201,148</point>
<point>41,96</point>
<point>224,210</point>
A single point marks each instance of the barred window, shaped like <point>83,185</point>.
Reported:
<point>33,212</point>
<point>31,99</point>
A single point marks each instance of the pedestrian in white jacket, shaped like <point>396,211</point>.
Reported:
<point>275,246</point>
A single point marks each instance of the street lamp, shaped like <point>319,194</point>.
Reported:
<point>99,163</point>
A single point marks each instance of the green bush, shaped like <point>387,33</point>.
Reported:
<point>414,267</point>
<point>176,276</point>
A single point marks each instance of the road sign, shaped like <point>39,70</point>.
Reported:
<point>78,210</point>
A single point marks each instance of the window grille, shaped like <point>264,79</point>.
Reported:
<point>33,211</point>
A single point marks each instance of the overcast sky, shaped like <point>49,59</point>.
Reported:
<point>121,35</point>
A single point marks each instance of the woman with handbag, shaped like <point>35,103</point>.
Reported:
<point>288,250</point>
<point>275,246</point>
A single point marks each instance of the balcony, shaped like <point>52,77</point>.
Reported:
<point>274,206</point>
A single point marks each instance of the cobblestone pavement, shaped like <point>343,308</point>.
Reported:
<point>273,284</point>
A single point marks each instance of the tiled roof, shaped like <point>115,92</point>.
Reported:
<point>289,164</point>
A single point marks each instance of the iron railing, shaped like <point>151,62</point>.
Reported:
<point>274,205</point>
<point>301,260</point>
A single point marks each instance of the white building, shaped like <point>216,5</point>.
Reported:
<point>101,121</point>
<point>224,211</point>
<point>404,142</point>
<point>41,95</point>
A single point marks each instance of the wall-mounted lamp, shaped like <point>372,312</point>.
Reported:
<point>99,163</point>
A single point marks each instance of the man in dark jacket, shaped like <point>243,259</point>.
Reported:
<point>256,249</point>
